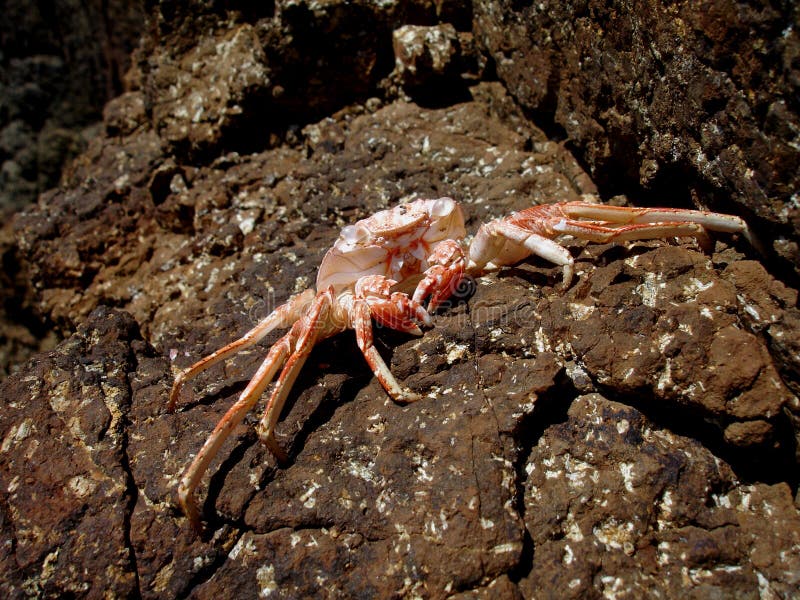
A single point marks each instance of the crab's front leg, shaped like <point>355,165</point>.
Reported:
<point>374,299</point>
<point>362,323</point>
<point>619,223</point>
<point>395,310</point>
<point>443,276</point>
<point>503,242</point>
<point>508,240</point>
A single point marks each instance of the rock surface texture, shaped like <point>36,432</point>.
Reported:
<point>633,435</point>
<point>683,99</point>
<point>60,62</point>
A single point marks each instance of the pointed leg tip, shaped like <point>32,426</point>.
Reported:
<point>197,527</point>
<point>281,456</point>
<point>173,398</point>
<point>269,441</point>
<point>177,391</point>
<point>190,512</point>
<point>407,397</point>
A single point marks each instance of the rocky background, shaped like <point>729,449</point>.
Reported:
<point>633,435</point>
<point>60,62</point>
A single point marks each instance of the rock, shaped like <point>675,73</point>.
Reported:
<point>65,491</point>
<point>432,63</point>
<point>22,332</point>
<point>697,344</point>
<point>124,114</point>
<point>205,91</point>
<point>666,97</point>
<point>608,491</point>
<point>380,499</point>
<point>633,434</point>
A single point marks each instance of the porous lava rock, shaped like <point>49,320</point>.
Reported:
<point>667,519</point>
<point>682,99</point>
<point>67,493</point>
<point>631,433</point>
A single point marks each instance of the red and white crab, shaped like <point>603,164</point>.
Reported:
<point>358,277</point>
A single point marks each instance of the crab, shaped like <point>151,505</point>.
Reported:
<point>355,284</point>
<point>421,243</point>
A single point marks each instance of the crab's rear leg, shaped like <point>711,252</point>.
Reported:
<point>234,416</point>
<point>314,326</point>
<point>322,321</point>
<point>293,348</point>
<point>283,316</point>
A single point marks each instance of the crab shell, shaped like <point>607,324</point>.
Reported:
<point>395,243</point>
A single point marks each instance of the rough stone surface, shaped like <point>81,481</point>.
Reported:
<point>668,520</point>
<point>693,102</point>
<point>65,491</point>
<point>212,83</point>
<point>633,434</point>
<point>22,333</point>
<point>433,62</point>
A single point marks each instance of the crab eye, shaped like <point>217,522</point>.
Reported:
<point>354,234</point>
<point>442,207</point>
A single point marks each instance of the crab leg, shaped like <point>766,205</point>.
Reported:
<point>533,243</point>
<point>234,416</point>
<point>362,323</point>
<point>531,231</point>
<point>314,326</point>
<point>395,310</point>
<point>490,248</point>
<point>283,316</point>
<point>665,216</point>
<point>596,232</point>
<point>626,214</point>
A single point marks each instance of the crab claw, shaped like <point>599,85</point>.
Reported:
<point>391,309</point>
<point>443,276</point>
<point>396,312</point>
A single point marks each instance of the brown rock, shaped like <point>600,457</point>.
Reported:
<point>65,491</point>
<point>434,63</point>
<point>698,351</point>
<point>617,504</point>
<point>688,102</point>
<point>512,477</point>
